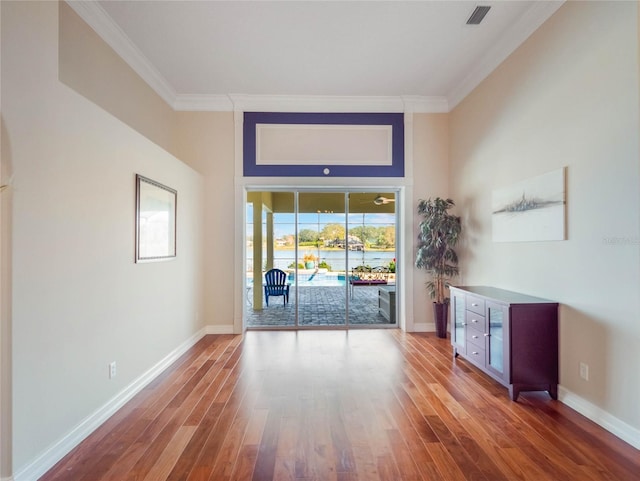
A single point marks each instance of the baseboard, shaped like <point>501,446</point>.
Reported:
<point>7,479</point>
<point>219,329</point>
<point>615,426</point>
<point>56,452</point>
<point>424,327</point>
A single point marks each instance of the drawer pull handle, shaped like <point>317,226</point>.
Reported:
<point>487,335</point>
<point>474,320</point>
<point>475,353</point>
<point>474,304</point>
<point>474,337</point>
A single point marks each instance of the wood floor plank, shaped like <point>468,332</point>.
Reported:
<point>284,469</point>
<point>210,451</point>
<point>340,405</point>
<point>246,461</point>
<point>256,427</point>
<point>286,450</point>
<point>387,468</point>
<point>520,466</point>
<point>341,441</point>
<point>219,381</point>
<point>319,450</point>
<point>170,455</point>
<point>419,422</point>
<point>190,454</point>
<point>413,443</point>
<point>494,450</point>
<point>451,415</point>
<point>266,460</point>
<point>409,469</point>
<point>445,463</point>
<point>233,441</point>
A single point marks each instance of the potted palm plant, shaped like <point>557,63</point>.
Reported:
<point>438,235</point>
<point>309,260</point>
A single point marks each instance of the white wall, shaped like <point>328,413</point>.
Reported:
<point>78,300</point>
<point>93,69</point>
<point>205,140</point>
<point>430,179</point>
<point>567,97</point>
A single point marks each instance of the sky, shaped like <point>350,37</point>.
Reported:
<point>284,222</point>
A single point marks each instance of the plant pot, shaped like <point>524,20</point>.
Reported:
<point>309,265</point>
<point>440,315</point>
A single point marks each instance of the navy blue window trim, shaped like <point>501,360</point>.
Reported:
<point>395,120</point>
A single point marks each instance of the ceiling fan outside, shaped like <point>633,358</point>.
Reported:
<point>381,200</point>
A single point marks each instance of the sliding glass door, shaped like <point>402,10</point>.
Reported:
<point>320,280</point>
<point>372,258</point>
<point>335,255</point>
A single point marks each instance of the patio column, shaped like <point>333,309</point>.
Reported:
<point>270,241</point>
<point>256,199</point>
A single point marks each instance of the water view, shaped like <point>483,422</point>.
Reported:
<point>335,259</point>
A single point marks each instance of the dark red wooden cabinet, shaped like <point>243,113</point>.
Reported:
<point>510,336</point>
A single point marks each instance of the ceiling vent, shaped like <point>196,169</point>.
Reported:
<point>478,15</point>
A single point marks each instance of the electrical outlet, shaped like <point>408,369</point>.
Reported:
<point>112,370</point>
<point>584,371</point>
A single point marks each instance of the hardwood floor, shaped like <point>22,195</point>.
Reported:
<point>340,405</point>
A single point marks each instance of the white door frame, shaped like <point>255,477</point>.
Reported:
<point>404,242</point>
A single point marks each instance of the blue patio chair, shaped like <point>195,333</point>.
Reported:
<point>276,285</point>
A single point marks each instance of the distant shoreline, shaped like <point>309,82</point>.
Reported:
<point>332,249</point>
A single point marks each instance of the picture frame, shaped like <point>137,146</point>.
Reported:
<point>531,210</point>
<point>156,220</point>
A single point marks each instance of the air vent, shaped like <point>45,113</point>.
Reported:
<point>478,15</point>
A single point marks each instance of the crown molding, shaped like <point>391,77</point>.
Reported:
<point>213,103</point>
<point>95,16</point>
<point>529,22</point>
<point>425,105</point>
<point>310,103</point>
<point>315,103</point>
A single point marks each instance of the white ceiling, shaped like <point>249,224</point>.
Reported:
<point>207,54</point>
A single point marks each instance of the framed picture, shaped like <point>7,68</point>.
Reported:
<point>155,220</point>
<point>530,210</point>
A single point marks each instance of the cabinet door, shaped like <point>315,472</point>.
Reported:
<point>458,321</point>
<point>497,331</point>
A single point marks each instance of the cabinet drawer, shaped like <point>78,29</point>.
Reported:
<point>475,321</point>
<point>476,338</point>
<point>476,354</point>
<point>475,304</point>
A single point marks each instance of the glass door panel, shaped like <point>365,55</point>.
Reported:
<point>320,281</point>
<point>496,338</point>
<point>459,321</point>
<point>270,243</point>
<point>371,257</point>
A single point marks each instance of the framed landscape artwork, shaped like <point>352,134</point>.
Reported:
<point>530,210</point>
<point>155,220</point>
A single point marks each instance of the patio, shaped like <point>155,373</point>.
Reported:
<point>319,306</point>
